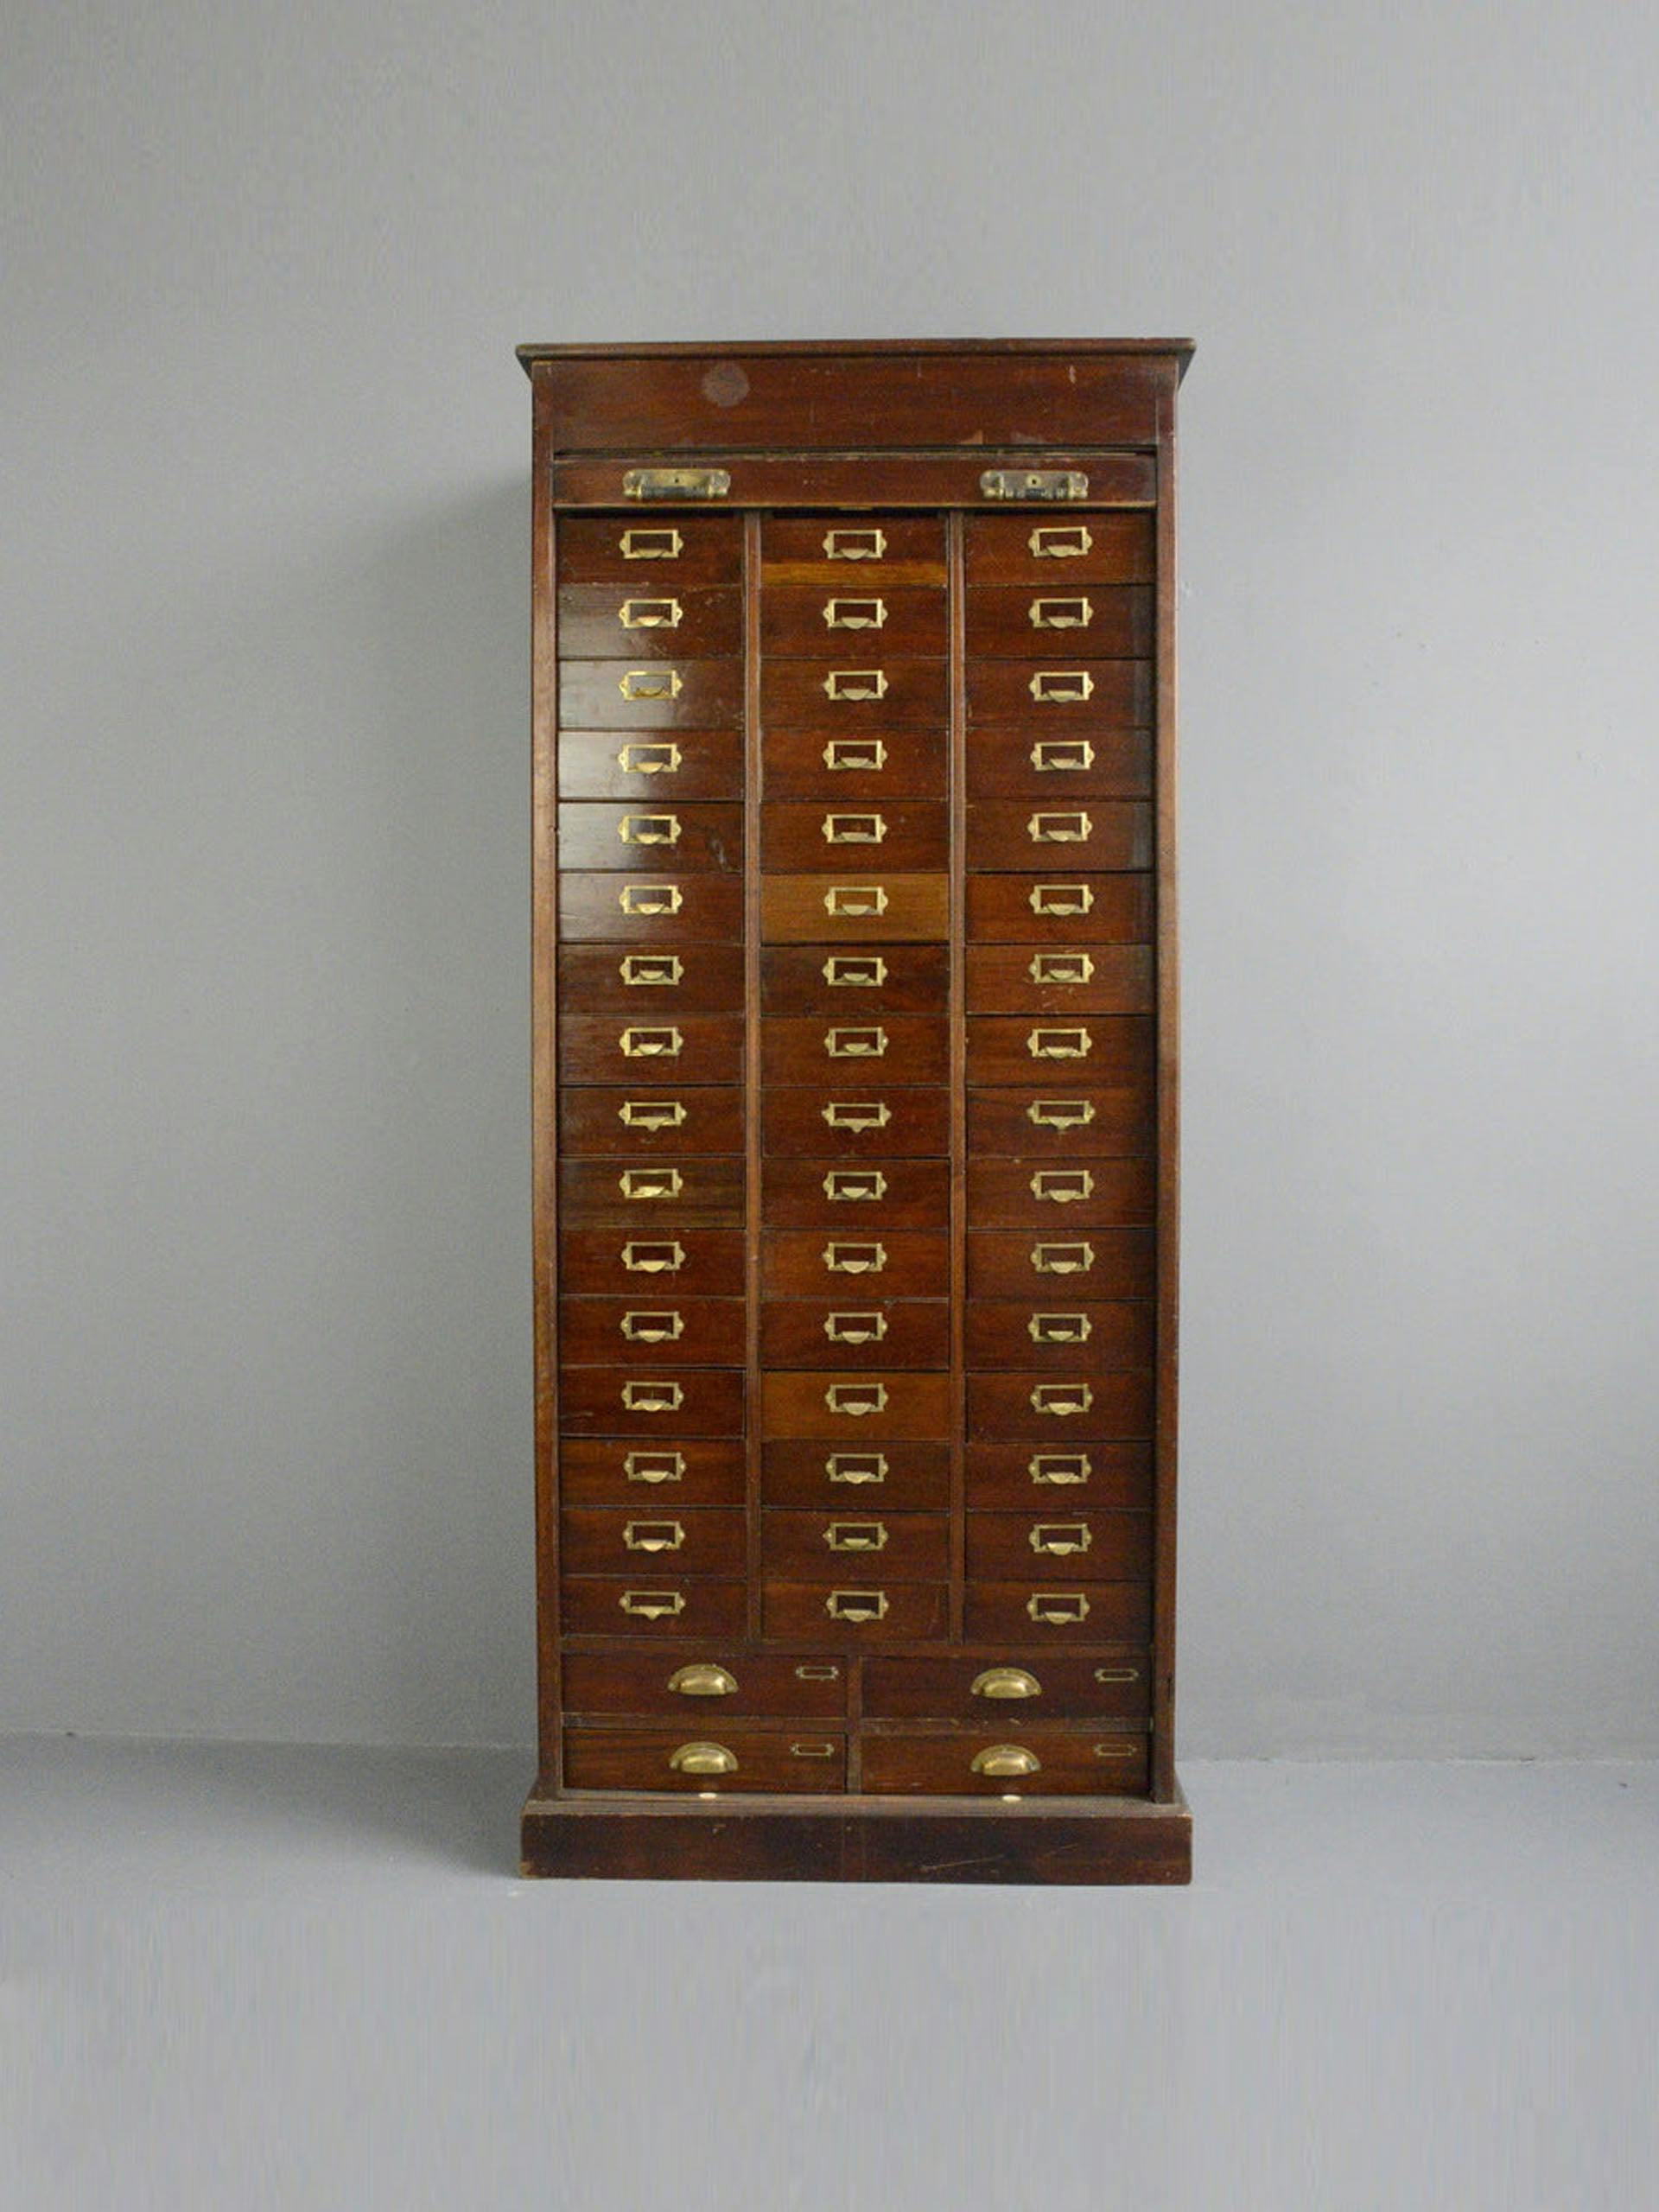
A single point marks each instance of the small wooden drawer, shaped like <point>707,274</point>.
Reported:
<point>856,907</point>
<point>850,1265</point>
<point>612,1048</point>
<point>1038,1613</point>
<point>1062,1122</point>
<point>881,979</point>
<point>1093,1194</point>
<point>652,1194</point>
<point>725,1759</point>
<point>641,838</point>
<point>1056,557</point>
<point>1106,833</point>
<point>649,620</point>
<point>1061,1265</point>
<point>651,1402</point>
<point>1024,1762</point>
<point>650,556</point>
<point>1026,1049</point>
<point>1027,764</point>
<point>667,1332</point>
<point>1060,1544</point>
<point>884,1121</point>
<point>851,552</point>
<point>646,693</point>
<point>645,908</point>
<point>853,1410</point>
<point>797,1333</point>
<point>856,1610</point>
<point>900,833</point>
<point>705,1684</point>
<point>650,1539</point>
<point>862,1199</point>
<point>650,770</point>
<point>863,769</point>
<point>857,1539</point>
<point>1059,620</point>
<point>856,615</point>
<point>1060,907</point>
<point>857,1049</point>
<point>1011,1690</point>
<point>648,1122</point>
<point>644,983</point>
<point>1063,694</point>
<point>693,1470</point>
<point>656,1604</point>
<point>1042,1478</point>
<point>858,683</point>
<point>1060,979</point>
<point>1056,1331</point>
<point>1059,1410</point>
<point>839,1477</point>
<point>653,1266</point>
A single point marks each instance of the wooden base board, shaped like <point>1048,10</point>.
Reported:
<point>864,1840</point>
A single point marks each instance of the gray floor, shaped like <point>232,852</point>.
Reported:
<point>243,1977</point>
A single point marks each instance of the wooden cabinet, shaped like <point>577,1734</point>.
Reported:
<point>854,1027</point>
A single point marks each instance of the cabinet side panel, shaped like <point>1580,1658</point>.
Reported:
<point>1164,1787</point>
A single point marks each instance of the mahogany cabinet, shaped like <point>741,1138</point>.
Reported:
<point>854,1042</point>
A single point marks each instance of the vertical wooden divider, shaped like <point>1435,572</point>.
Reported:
<point>957,609</point>
<point>752,788</point>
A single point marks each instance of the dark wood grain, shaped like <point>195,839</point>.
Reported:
<point>847,1121</point>
<point>1021,762</point>
<point>650,618</point>
<point>864,1199</point>
<point>806,1546</point>
<point>841,1333</point>
<point>641,1683</point>
<point>869,768</point>
<point>649,1539</point>
<point>651,1121</point>
<point>1058,619</point>
<point>1056,1688</point>
<point>894,1476</point>
<point>687,1471</point>
<point>592,549</point>
<point>1027,1476</point>
<point>1069,550</point>
<point>1061,1264</point>
<point>911,835</point>
<point>1060,905</point>
<point>661,769</point>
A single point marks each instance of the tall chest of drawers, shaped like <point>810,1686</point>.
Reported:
<point>855,1044</point>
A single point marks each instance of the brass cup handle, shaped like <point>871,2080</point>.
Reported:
<point>1001,1762</point>
<point>703,1759</point>
<point>702,1680</point>
<point>1005,1681</point>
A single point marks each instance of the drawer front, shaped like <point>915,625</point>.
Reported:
<point>1060,979</point>
<point>1023,763</point>
<point>1094,549</point>
<point>1047,1124</point>
<point>1060,907</point>
<point>855,1479</point>
<point>836,1263</point>
<point>855,1540</point>
<point>1059,697</point>
<point>659,1194</point>
<point>1059,1409</point>
<point>1059,1615</point>
<point>703,1686</point>
<point>646,1122</point>
<point>650,555</point>
<point>1096,1194</point>
<point>851,1409</point>
<point>643,908</point>
<point>1108,833</point>
<point>649,1402</point>
<point>854,615</point>
<point>854,1612</point>
<point>886,979</point>
<point>856,907</point>
<point>661,1604</point>
<point>1039,1477</point>
<point>1059,620</point>
<point>682,1760</point>
<point>817,1049</point>
<point>857,686</point>
<point>864,770</point>
<point>688,1472</point>
<point>1011,1693</point>
<point>1061,1266</point>
<point>1028,1048</point>
<point>1057,1545</point>
<point>666,1331</point>
<point>610,1048</point>
<point>641,621</point>
<point>1058,1332</point>
<point>652,1539</point>
<point>651,771</point>
<point>852,551</point>
<point>646,983</point>
<point>637,839</point>
<point>881,1122</point>
<point>861,1200</point>
<point>1025,1761</point>
<point>645,693</point>
<point>910,833</point>
<point>651,1266</point>
<point>850,1332</point>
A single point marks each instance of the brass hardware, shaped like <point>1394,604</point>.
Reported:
<point>812,1751</point>
<point>1058,1607</point>
<point>655,1396</point>
<point>1005,1681</point>
<point>856,1604</point>
<point>856,1399</point>
<point>855,683</point>
<point>651,1113</point>
<point>856,1468</point>
<point>1002,1759</point>
<point>651,1182</point>
<point>1061,968</point>
<point>1062,1187</point>
<point>703,1759</point>
<point>1061,686</point>
<point>847,902</point>
<point>1117,1750</point>
<point>654,1259</point>
<point>1060,1113</point>
<point>1060,829</point>
<point>651,684</point>
<point>1062,756</point>
<point>855,1328</point>
<point>866,752</point>
<point>654,1467</point>
<point>854,544</point>
<point>667,1327</point>
<point>1118,1674</point>
<point>855,1044</point>
<point>650,613</point>
<point>1059,1328</point>
<point>653,1536</point>
<point>1061,1399</point>
<point>1062,614</point>
<point>854,614</point>
<point>854,1259</point>
<point>650,544</point>
<point>1059,1539</point>
<point>1061,898</point>
<point>812,1671</point>
<point>1059,1043</point>
<point>1034,484</point>
<point>855,970</point>
<point>655,758</point>
<point>665,1043</point>
<point>853,829</point>
<point>702,1680</point>
<point>855,1183</point>
<point>857,1114</point>
<point>856,1536</point>
<point>1062,1259</point>
<point>651,829</point>
<point>647,899</point>
<point>1060,1470</point>
<point>652,1604</point>
<point>652,970</point>
<point>1060,541</point>
<point>675,484</point>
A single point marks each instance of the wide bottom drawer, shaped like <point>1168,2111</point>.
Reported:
<point>807,1758</point>
<point>1020,1690</point>
<point>1022,1763</point>
<point>703,1685</point>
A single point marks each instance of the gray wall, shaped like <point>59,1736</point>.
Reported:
<point>265,1378</point>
